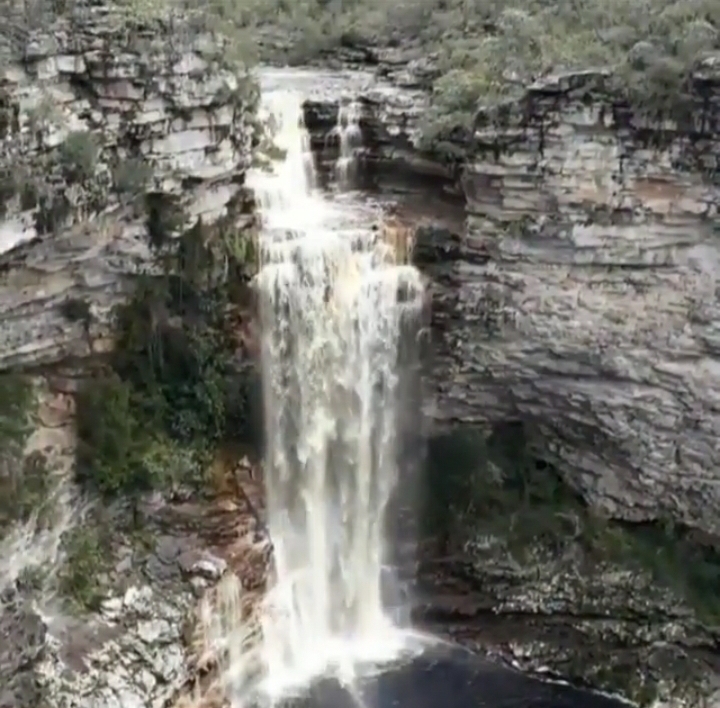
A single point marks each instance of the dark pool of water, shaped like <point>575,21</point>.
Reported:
<point>450,678</point>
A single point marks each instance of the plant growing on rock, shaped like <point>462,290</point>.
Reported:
<point>152,420</point>
<point>78,154</point>
<point>110,438</point>
<point>53,210</point>
<point>21,482</point>
<point>131,177</point>
<point>7,191</point>
<point>493,493</point>
<point>479,51</point>
<point>85,561</point>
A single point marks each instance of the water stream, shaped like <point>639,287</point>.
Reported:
<point>350,140</point>
<point>334,305</point>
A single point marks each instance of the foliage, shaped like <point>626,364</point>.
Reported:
<point>483,50</point>
<point>76,310</point>
<point>26,491</point>
<point>17,401</point>
<point>132,176</point>
<point>482,487</point>
<point>85,561</point>
<point>110,438</point>
<point>7,190</point>
<point>23,482</point>
<point>170,396</point>
<point>78,155</point>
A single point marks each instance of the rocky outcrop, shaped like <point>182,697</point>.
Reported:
<point>390,117</point>
<point>582,299</point>
<point>137,645</point>
<point>517,564</point>
<point>99,114</point>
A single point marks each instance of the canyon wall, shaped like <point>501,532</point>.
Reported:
<point>109,127</point>
<point>582,298</point>
<point>98,114</point>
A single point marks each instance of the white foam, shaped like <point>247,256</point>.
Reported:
<point>331,322</point>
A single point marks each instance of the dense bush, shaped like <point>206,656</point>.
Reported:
<point>78,155</point>
<point>22,482</point>
<point>86,561</point>
<point>169,395</point>
<point>485,49</point>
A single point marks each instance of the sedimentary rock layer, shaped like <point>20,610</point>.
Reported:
<point>96,112</point>
<point>583,297</point>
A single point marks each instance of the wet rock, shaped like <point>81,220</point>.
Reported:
<point>203,564</point>
<point>389,117</point>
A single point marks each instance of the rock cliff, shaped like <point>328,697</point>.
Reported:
<point>113,131</point>
<point>99,114</point>
<point>582,298</point>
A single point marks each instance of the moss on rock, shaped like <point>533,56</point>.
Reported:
<point>22,480</point>
<point>628,607</point>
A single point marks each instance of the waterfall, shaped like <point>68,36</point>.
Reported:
<point>350,138</point>
<point>32,547</point>
<point>333,304</point>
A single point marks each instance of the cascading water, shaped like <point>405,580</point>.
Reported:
<point>350,138</point>
<point>334,303</point>
<point>37,542</point>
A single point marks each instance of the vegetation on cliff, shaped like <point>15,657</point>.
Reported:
<point>22,479</point>
<point>523,546</point>
<point>484,50</point>
<point>497,488</point>
<point>173,388</point>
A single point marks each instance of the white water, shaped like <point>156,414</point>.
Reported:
<point>333,303</point>
<point>350,138</point>
<point>36,544</point>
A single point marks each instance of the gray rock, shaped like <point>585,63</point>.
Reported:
<point>203,564</point>
<point>584,298</point>
<point>23,642</point>
<point>137,660</point>
<point>189,122</point>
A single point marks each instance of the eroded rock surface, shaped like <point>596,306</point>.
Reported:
<point>137,647</point>
<point>99,114</point>
<point>582,298</point>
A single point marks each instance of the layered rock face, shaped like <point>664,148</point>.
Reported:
<point>110,130</point>
<point>389,116</point>
<point>99,114</point>
<point>583,297</point>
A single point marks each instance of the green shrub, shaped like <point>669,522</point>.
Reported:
<point>78,155</point>
<point>132,176</point>
<point>85,561</point>
<point>122,446</point>
<point>111,440</point>
<point>7,191</point>
<point>76,310</point>
<point>494,487</point>
<point>151,421</point>
<point>486,49</point>
<point>17,403</point>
